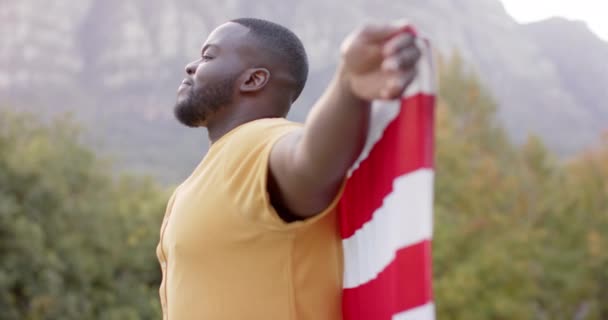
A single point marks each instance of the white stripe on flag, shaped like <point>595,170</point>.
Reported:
<point>425,312</point>
<point>405,218</point>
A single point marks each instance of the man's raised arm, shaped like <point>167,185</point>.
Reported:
<point>307,167</point>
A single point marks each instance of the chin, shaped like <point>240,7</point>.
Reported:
<point>187,117</point>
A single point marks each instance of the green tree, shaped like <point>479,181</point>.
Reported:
<point>480,250</point>
<point>75,243</point>
<point>518,233</point>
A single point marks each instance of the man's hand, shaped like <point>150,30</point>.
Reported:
<point>378,61</point>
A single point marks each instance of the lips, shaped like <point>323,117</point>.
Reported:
<point>185,83</point>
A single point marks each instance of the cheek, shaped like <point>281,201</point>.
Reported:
<point>201,73</point>
<point>218,69</point>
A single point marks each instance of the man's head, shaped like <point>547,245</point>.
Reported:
<point>245,63</point>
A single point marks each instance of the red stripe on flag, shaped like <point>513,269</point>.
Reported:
<point>403,285</point>
<point>409,139</point>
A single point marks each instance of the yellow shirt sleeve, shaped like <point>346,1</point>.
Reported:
<point>249,151</point>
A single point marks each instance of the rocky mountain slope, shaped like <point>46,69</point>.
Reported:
<point>117,63</point>
<point>580,60</point>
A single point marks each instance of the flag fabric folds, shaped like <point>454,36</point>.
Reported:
<point>386,208</point>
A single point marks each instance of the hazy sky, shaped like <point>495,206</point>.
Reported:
<point>593,12</point>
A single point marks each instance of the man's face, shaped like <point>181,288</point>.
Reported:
<point>211,80</point>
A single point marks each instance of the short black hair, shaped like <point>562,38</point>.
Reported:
<point>283,42</point>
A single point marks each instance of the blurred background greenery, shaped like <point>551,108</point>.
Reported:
<point>89,152</point>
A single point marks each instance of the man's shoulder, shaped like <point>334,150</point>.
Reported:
<point>262,131</point>
<point>265,124</point>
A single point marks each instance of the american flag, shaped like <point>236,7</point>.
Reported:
<point>386,208</point>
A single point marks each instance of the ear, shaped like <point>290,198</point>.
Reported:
<point>255,79</point>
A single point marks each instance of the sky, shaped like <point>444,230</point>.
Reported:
<point>593,12</point>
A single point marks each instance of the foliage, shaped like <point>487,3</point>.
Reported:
<point>519,235</point>
<point>74,242</point>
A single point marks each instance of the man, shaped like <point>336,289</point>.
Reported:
<point>252,233</point>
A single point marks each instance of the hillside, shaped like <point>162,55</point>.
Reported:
<point>580,60</point>
<point>117,64</point>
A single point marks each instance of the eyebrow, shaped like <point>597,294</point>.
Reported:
<point>207,46</point>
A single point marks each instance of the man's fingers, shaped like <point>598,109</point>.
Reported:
<point>397,43</point>
<point>403,59</point>
<point>380,32</point>
<point>396,84</point>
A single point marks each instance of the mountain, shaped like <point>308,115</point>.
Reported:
<point>116,65</point>
<point>580,59</point>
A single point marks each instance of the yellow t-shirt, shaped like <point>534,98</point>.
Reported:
<point>226,254</point>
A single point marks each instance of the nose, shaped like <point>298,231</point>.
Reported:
<point>191,67</point>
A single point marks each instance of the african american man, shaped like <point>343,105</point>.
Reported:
<point>252,233</point>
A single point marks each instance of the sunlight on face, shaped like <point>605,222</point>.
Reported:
<point>593,12</point>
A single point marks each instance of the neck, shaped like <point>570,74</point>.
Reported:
<point>218,129</point>
<point>232,117</point>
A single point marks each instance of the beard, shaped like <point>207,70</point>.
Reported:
<point>198,105</point>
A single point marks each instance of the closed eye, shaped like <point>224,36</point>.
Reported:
<point>206,57</point>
